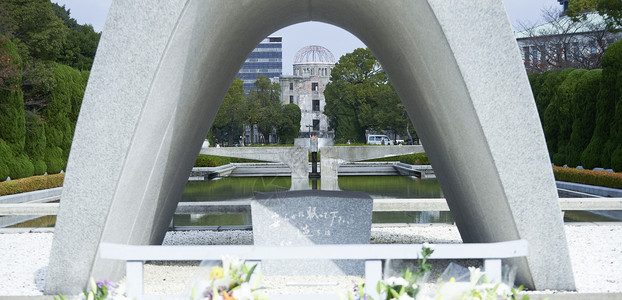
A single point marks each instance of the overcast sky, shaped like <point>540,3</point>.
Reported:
<point>337,40</point>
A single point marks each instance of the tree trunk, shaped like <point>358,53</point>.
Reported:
<point>231,133</point>
<point>252,134</point>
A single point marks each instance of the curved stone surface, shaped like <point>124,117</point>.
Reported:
<point>164,66</point>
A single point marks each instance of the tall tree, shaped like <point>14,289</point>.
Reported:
<point>360,97</point>
<point>563,104</point>
<point>584,116</point>
<point>79,48</point>
<point>288,127</point>
<point>228,118</point>
<point>553,114</point>
<point>599,151</point>
<point>36,30</point>
<point>262,106</point>
<point>611,10</point>
<point>13,161</point>
<point>612,88</point>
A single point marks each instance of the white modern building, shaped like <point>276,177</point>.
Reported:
<point>562,43</point>
<point>311,68</point>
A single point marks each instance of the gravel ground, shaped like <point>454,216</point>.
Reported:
<point>595,251</point>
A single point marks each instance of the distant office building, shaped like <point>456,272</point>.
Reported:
<point>312,68</point>
<point>563,43</point>
<point>266,60</point>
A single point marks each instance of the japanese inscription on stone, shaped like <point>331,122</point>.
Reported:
<point>312,217</point>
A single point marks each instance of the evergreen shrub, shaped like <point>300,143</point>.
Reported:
<point>5,156</point>
<point>610,94</point>
<point>12,123</point>
<point>583,115</point>
<point>591,156</point>
<point>537,81</point>
<point>552,113</point>
<point>54,159</point>
<point>58,129</point>
<point>35,142</point>
<point>12,120</point>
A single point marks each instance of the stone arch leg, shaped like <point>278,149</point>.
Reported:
<point>163,67</point>
<point>458,71</point>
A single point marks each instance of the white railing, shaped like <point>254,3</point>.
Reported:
<point>419,204</point>
<point>135,256</point>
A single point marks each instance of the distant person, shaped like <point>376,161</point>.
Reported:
<point>348,142</point>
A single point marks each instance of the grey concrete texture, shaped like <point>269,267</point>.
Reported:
<point>312,217</point>
<point>164,66</point>
<point>296,158</point>
<point>590,189</point>
<point>306,142</point>
<point>332,157</point>
<point>34,196</point>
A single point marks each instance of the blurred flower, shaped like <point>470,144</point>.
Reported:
<point>217,273</point>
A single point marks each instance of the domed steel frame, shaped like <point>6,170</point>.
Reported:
<point>314,54</point>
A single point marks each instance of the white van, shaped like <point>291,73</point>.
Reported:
<point>377,139</point>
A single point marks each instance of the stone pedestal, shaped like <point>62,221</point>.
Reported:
<point>297,218</point>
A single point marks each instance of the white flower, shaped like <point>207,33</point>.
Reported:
<point>199,287</point>
<point>243,292</point>
<point>453,290</point>
<point>504,290</point>
<point>225,281</point>
<point>393,281</point>
<point>476,275</point>
<point>405,297</point>
<point>230,263</point>
<point>427,245</point>
<point>216,295</point>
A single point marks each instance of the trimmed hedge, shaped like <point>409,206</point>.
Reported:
<point>412,159</point>
<point>30,184</point>
<point>598,178</point>
<point>204,160</point>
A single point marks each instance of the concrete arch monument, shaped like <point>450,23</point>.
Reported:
<point>164,66</point>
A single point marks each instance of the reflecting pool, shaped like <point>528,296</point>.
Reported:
<point>243,188</point>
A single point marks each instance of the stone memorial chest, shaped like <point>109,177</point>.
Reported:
<point>311,217</point>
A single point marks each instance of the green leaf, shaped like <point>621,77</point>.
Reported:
<point>250,273</point>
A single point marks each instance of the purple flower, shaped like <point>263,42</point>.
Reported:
<point>109,285</point>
